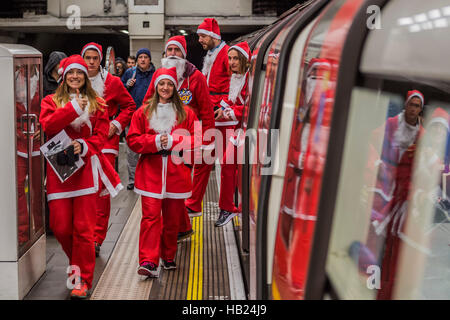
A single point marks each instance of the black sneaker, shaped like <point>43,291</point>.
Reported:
<point>130,186</point>
<point>192,213</point>
<point>148,269</point>
<point>224,218</point>
<point>184,235</point>
<point>169,265</point>
<point>97,249</point>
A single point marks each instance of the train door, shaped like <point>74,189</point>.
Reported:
<point>22,232</point>
<point>257,72</point>
<point>308,148</point>
<point>389,213</point>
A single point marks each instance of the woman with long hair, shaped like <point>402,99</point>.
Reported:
<point>238,61</point>
<point>159,132</point>
<point>76,109</point>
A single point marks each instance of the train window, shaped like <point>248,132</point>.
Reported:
<point>391,221</point>
<point>308,149</point>
<point>409,42</point>
<point>22,167</point>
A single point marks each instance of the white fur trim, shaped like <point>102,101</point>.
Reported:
<point>209,60</point>
<point>118,126</point>
<point>92,47</point>
<point>240,50</point>
<point>209,33</point>
<point>76,106</point>
<point>416,95</point>
<point>113,151</point>
<point>75,66</point>
<point>165,195</point>
<point>224,104</point>
<point>165,76</point>
<point>226,123</point>
<point>178,44</point>
<point>85,147</point>
<point>163,119</point>
<point>440,120</point>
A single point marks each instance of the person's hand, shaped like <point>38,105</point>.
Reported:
<point>112,130</point>
<point>227,115</point>
<point>131,82</point>
<point>37,135</point>
<point>218,114</point>
<point>164,141</point>
<point>76,146</point>
<point>82,102</point>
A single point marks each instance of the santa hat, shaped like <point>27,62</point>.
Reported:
<point>210,27</point>
<point>93,46</point>
<point>415,94</point>
<point>180,42</point>
<point>440,116</point>
<point>163,73</point>
<point>73,62</point>
<point>243,48</point>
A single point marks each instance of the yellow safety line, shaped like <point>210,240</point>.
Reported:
<point>195,282</point>
<point>200,271</point>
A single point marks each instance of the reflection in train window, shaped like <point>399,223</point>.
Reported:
<point>391,225</point>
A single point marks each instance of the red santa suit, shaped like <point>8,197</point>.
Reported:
<point>216,71</point>
<point>72,203</point>
<point>111,89</point>
<point>162,178</point>
<point>194,93</point>
<point>233,109</point>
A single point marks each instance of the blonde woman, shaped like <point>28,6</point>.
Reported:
<point>158,130</point>
<point>76,109</point>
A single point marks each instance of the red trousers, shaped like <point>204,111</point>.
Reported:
<point>158,234</point>
<point>228,174</point>
<point>72,221</point>
<point>203,170</point>
<point>103,208</point>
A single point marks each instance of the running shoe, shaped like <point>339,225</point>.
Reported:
<point>193,213</point>
<point>224,218</point>
<point>184,235</point>
<point>80,291</point>
<point>148,269</point>
<point>169,264</point>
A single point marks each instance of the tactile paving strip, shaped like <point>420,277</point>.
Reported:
<point>120,280</point>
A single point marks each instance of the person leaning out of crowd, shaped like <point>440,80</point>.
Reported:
<point>131,62</point>
<point>51,74</point>
<point>76,109</point>
<point>121,67</point>
<point>158,132</point>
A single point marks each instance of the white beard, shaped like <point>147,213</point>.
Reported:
<point>98,84</point>
<point>83,119</point>
<point>177,62</point>
<point>405,134</point>
<point>237,82</point>
<point>164,118</point>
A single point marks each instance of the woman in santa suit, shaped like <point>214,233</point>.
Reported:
<point>160,131</point>
<point>233,106</point>
<point>76,109</point>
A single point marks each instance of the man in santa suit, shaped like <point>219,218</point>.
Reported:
<point>216,71</point>
<point>111,89</point>
<point>194,93</point>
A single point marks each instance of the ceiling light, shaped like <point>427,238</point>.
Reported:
<point>420,17</point>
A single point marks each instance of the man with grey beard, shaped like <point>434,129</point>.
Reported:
<point>194,93</point>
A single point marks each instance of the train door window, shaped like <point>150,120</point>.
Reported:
<point>308,148</point>
<point>22,167</point>
<point>390,232</point>
<point>391,222</point>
